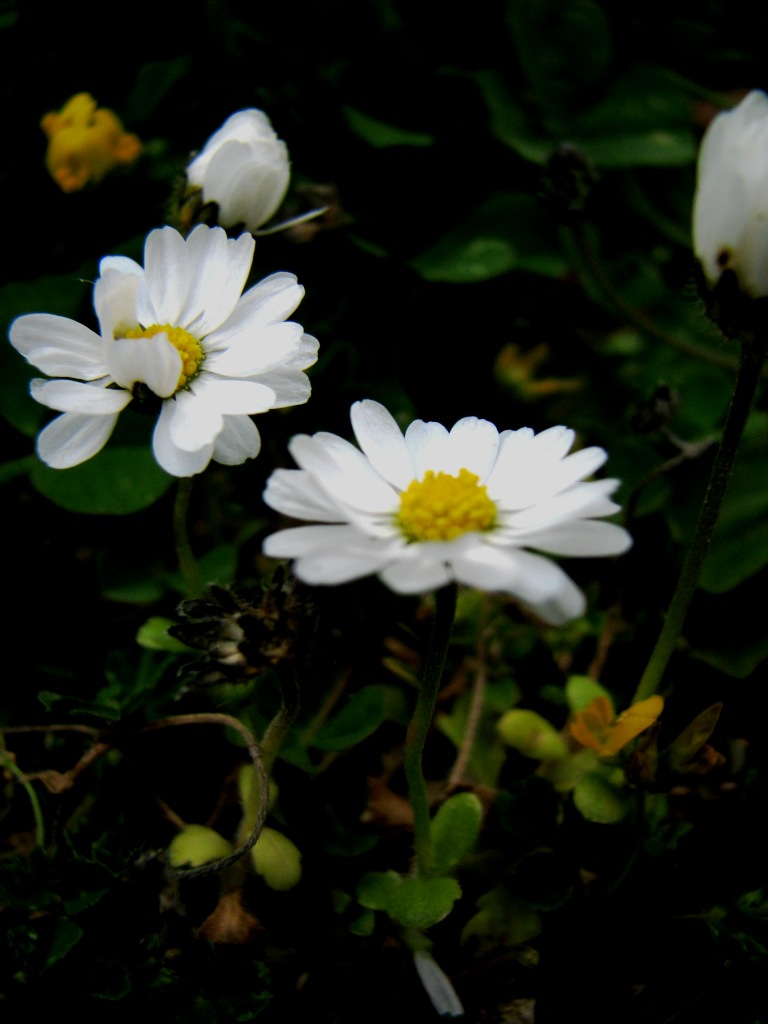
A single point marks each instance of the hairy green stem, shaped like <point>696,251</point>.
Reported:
<point>8,762</point>
<point>423,712</point>
<point>188,566</point>
<point>752,358</point>
<point>283,720</point>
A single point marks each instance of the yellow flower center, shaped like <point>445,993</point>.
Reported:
<point>442,507</point>
<point>189,348</point>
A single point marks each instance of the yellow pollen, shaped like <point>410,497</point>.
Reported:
<point>442,507</point>
<point>189,348</point>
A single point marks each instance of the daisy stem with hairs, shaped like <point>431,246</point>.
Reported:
<point>753,352</point>
<point>423,713</point>
<point>190,571</point>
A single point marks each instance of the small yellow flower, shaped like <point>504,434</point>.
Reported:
<point>86,142</point>
<point>597,727</point>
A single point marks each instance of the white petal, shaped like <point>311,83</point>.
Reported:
<point>73,396</point>
<point>256,350</point>
<point>427,443</point>
<point>268,302</point>
<point>571,504</point>
<point>296,493</point>
<point>167,277</point>
<point>59,346</point>
<point>154,361</point>
<point>218,269</point>
<point>344,472</point>
<point>290,387</point>
<point>473,444</point>
<point>528,483</point>
<point>173,459</point>
<point>73,438</point>
<point>328,554</point>
<point>583,538</point>
<point>417,573</point>
<point>193,424</point>
<point>239,440</point>
<point>232,397</point>
<point>115,298</point>
<point>382,441</point>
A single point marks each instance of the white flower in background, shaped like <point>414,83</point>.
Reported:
<point>730,208</point>
<point>433,506</point>
<point>180,336</point>
<point>244,168</point>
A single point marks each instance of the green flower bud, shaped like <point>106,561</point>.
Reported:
<point>277,860</point>
<point>196,845</point>
<point>532,735</point>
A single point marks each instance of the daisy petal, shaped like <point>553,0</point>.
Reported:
<point>218,269</point>
<point>58,346</point>
<point>382,441</point>
<point>296,493</point>
<point>173,459</point>
<point>74,438</point>
<point>239,440</point>
<point>74,396</point>
<point>153,361</point>
<point>416,575</point>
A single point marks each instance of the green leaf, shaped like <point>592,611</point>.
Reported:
<point>422,902</point>
<point>455,828</point>
<point>581,691</point>
<point>153,634</point>
<point>684,748</point>
<point>376,889</point>
<point>508,232</point>
<point>153,82</point>
<point>362,715</point>
<point>598,800</point>
<point>382,135</point>
<point>67,934</point>
<point>117,481</point>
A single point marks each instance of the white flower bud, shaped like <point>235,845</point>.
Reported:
<point>730,209</point>
<point>244,168</point>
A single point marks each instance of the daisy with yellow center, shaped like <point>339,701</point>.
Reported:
<point>433,506</point>
<point>181,329</point>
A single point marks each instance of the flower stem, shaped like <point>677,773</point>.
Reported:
<point>281,723</point>
<point>445,609</point>
<point>188,566</point>
<point>9,764</point>
<point>753,353</point>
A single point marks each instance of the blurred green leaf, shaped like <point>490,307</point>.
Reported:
<point>422,902</point>
<point>117,481</point>
<point>509,231</point>
<point>362,715</point>
<point>598,800</point>
<point>66,936</point>
<point>380,134</point>
<point>153,634</point>
<point>153,83</point>
<point>455,829</point>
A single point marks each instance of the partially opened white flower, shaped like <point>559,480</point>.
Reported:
<point>244,168</point>
<point>436,506</point>
<point>177,336</point>
<point>730,209</point>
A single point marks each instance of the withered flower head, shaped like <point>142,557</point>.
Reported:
<point>243,630</point>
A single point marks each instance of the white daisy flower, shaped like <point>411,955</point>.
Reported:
<point>244,168</point>
<point>436,506</point>
<point>178,336</point>
<point>730,208</point>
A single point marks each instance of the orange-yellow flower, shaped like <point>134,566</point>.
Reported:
<point>597,727</point>
<point>86,142</point>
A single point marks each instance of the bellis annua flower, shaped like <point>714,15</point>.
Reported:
<point>244,168</point>
<point>730,210</point>
<point>177,336</point>
<point>434,506</point>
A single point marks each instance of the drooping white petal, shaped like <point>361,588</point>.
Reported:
<point>239,440</point>
<point>218,269</point>
<point>382,442</point>
<point>192,422</point>
<point>73,438</point>
<point>59,346</point>
<point>248,181</point>
<point>74,396</point>
<point>153,361</point>
<point>173,459</point>
<point>115,298</point>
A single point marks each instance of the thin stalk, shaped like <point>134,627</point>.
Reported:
<point>423,712</point>
<point>188,566</point>
<point>21,778</point>
<point>276,731</point>
<point>752,359</point>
